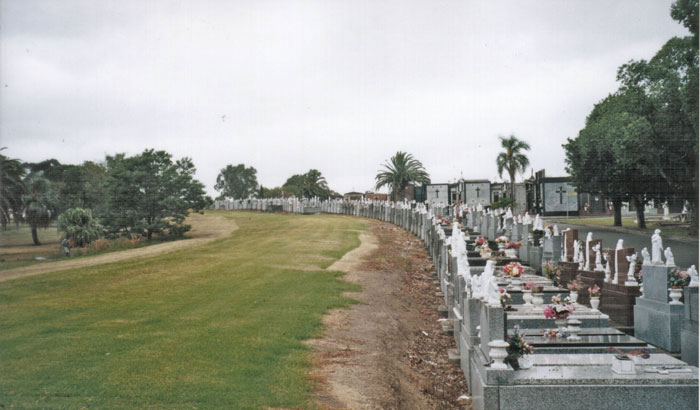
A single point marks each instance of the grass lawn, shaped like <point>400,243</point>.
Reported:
<point>17,248</point>
<point>668,227</point>
<point>217,326</point>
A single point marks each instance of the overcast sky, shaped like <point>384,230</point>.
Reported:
<point>339,86</point>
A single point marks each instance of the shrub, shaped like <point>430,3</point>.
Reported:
<point>79,227</point>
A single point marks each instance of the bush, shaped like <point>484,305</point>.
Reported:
<point>79,227</point>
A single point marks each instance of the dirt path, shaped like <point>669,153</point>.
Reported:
<point>376,355</point>
<point>205,228</point>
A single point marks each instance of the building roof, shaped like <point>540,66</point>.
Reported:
<point>473,181</point>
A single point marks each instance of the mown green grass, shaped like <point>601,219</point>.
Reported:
<point>668,227</point>
<point>217,326</point>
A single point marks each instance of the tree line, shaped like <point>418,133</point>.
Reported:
<point>241,182</point>
<point>640,143</point>
<point>141,195</point>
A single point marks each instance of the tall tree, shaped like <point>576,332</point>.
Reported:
<point>12,174</point>
<point>40,204</point>
<point>315,184</point>
<point>399,172</point>
<point>149,193</point>
<point>512,160</point>
<point>237,182</point>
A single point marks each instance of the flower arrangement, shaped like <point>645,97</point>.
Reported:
<point>484,250</point>
<point>513,269</point>
<point>480,240</point>
<point>517,347</point>
<point>513,245</point>
<point>594,291</point>
<point>505,297</point>
<point>576,285</point>
<point>678,278</point>
<point>559,309</point>
<point>554,333</point>
<point>551,272</point>
<point>502,239</point>
<point>529,285</point>
<point>537,289</point>
<point>643,353</point>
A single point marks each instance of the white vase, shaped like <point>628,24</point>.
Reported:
<point>524,363</point>
<point>561,323</point>
<point>501,246</point>
<point>538,301</point>
<point>515,283</point>
<point>511,253</point>
<point>573,295</point>
<point>498,352</point>
<point>527,297</point>
<point>574,327</point>
<point>595,302</point>
<point>675,295</point>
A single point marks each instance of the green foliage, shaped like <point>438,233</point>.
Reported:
<point>504,202</point>
<point>401,171</point>
<point>275,192</point>
<point>308,185</point>
<point>40,204</point>
<point>512,160</point>
<point>641,142</point>
<point>12,174</point>
<point>237,182</point>
<point>149,193</point>
<point>79,227</point>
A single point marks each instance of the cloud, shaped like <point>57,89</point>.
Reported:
<point>337,86</point>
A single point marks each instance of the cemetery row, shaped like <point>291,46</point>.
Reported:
<point>529,308</point>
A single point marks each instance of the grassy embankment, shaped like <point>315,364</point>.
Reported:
<point>216,326</point>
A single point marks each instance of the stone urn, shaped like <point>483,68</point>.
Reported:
<point>561,323</point>
<point>538,301</point>
<point>574,327</point>
<point>501,246</point>
<point>511,253</point>
<point>527,297</point>
<point>595,302</point>
<point>498,352</point>
<point>573,295</point>
<point>675,295</point>
<point>515,284</point>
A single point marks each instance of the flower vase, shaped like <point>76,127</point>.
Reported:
<point>573,295</point>
<point>561,323</point>
<point>501,246</point>
<point>510,253</point>
<point>527,297</point>
<point>595,302</point>
<point>515,283</point>
<point>538,301</point>
<point>574,327</point>
<point>524,363</point>
<point>675,295</point>
<point>497,352</point>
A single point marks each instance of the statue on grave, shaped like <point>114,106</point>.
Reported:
<point>494,298</point>
<point>646,259</point>
<point>657,247</point>
<point>547,234</point>
<point>632,259</point>
<point>670,261</point>
<point>581,259</point>
<point>509,213</point>
<point>589,238</point>
<point>606,256</point>
<point>576,247</point>
<point>475,282</point>
<point>693,276</point>
<point>526,219</point>
<point>598,261</point>
<point>556,230</point>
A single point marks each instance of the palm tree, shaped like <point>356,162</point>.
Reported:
<point>40,204</point>
<point>11,189</point>
<point>512,160</point>
<point>400,172</point>
<point>315,184</point>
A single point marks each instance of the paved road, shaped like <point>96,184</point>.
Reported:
<point>685,254</point>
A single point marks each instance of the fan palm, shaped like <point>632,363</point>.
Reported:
<point>512,160</point>
<point>11,189</point>
<point>315,184</point>
<point>401,171</point>
<point>40,204</point>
